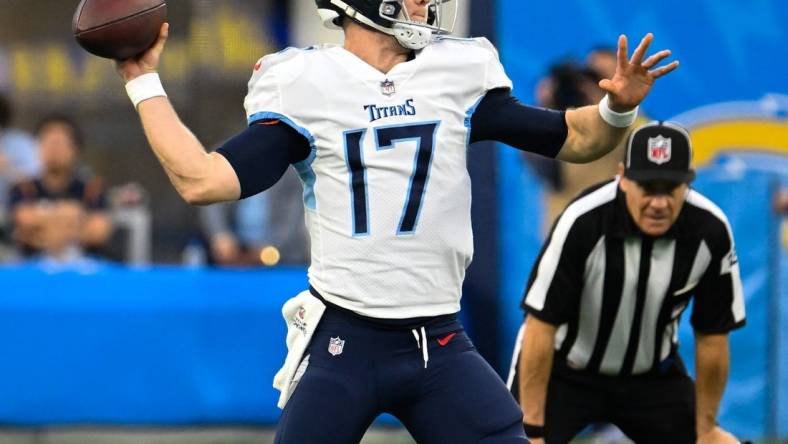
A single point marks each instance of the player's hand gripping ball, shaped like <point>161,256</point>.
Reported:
<point>118,29</point>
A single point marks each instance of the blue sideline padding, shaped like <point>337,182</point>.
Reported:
<point>521,233</point>
<point>161,346</point>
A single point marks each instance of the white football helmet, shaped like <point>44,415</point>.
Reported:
<point>391,17</point>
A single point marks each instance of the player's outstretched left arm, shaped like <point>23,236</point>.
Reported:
<point>590,136</point>
<point>199,177</point>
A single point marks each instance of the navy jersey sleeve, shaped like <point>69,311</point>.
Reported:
<point>261,154</point>
<point>502,118</point>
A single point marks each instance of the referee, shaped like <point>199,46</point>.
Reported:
<point>600,340</point>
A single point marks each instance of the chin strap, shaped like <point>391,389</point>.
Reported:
<point>412,37</point>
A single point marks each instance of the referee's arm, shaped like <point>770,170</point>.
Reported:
<point>719,308</point>
<point>712,359</point>
<point>536,361</point>
<point>552,298</point>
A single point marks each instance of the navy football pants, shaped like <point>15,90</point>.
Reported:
<point>456,399</point>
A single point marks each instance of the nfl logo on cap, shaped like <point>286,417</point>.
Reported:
<point>659,150</point>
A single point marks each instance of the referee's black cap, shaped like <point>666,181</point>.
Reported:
<point>659,151</point>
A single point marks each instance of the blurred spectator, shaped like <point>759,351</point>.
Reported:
<point>603,60</point>
<point>264,229</point>
<point>59,215</point>
<point>18,161</point>
<point>567,86</point>
<point>572,85</point>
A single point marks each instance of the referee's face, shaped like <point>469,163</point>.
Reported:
<point>654,205</point>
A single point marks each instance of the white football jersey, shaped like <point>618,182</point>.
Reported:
<point>386,187</point>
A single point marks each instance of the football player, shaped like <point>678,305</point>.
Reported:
<point>378,130</point>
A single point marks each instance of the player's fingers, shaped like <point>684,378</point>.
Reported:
<point>656,58</point>
<point>606,85</point>
<point>158,46</point>
<point>640,52</point>
<point>659,72</point>
<point>164,34</point>
<point>623,52</point>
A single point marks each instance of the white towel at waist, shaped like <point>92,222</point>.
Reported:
<point>302,315</point>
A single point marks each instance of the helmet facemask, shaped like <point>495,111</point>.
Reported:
<point>391,17</point>
<point>412,34</point>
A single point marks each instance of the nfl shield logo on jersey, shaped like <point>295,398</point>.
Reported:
<point>387,88</point>
<point>659,150</point>
<point>335,346</point>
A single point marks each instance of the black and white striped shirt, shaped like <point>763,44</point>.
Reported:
<point>616,294</point>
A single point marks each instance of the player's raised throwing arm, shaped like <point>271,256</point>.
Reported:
<point>200,178</point>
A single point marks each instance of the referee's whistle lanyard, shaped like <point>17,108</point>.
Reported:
<point>421,342</point>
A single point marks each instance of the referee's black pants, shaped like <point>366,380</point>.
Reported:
<point>657,408</point>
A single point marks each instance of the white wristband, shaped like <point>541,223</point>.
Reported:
<point>619,120</point>
<point>144,87</point>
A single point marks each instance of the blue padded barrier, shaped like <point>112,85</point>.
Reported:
<point>108,345</point>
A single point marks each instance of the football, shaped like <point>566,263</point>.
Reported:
<point>118,29</point>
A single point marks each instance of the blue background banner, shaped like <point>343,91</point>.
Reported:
<point>729,49</point>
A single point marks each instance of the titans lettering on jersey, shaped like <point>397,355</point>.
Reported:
<point>377,112</point>
<point>386,188</point>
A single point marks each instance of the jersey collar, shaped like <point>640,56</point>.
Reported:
<point>361,70</point>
